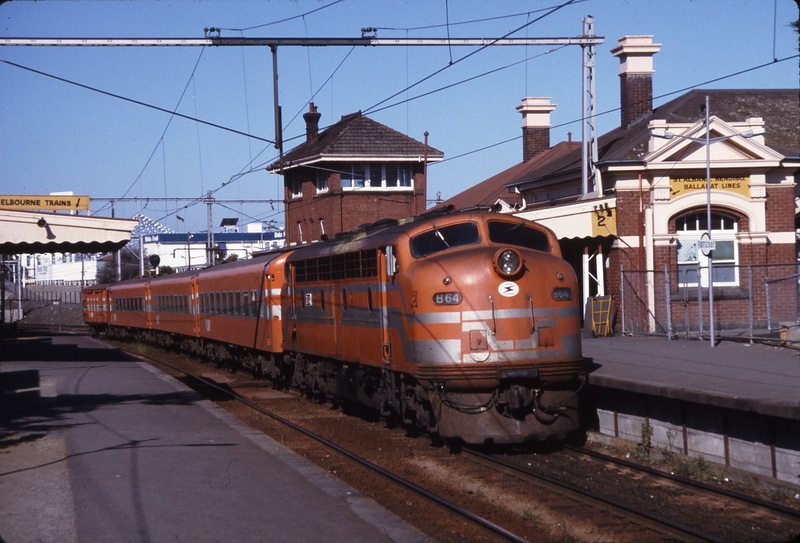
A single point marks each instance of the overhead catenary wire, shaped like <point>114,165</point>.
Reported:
<point>471,21</point>
<point>616,109</point>
<point>284,20</point>
<point>133,101</point>
<point>468,55</point>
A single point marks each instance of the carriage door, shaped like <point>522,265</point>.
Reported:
<point>388,269</point>
<point>267,301</point>
<point>194,306</point>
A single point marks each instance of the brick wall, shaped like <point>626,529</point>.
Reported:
<point>534,141</point>
<point>343,210</point>
<point>780,209</point>
<point>636,94</point>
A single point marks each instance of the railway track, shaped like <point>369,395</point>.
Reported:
<point>616,518</point>
<point>715,492</point>
<point>516,503</point>
<point>655,504</point>
<point>497,532</point>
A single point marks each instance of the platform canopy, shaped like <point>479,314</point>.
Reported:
<point>27,232</point>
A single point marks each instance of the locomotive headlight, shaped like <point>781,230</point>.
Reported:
<point>508,263</point>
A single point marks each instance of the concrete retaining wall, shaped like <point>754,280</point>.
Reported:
<point>762,445</point>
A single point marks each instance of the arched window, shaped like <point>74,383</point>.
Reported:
<point>693,262</point>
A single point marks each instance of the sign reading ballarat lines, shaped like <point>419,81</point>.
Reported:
<point>682,185</point>
<point>50,202</point>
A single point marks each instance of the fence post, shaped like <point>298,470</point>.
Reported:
<point>622,295</point>
<point>750,298</point>
<point>669,303</point>
<point>766,293</point>
<point>699,304</point>
<point>797,299</point>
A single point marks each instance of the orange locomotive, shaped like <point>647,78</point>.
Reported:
<point>465,325</point>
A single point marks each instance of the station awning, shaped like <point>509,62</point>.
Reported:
<point>582,219</point>
<point>26,232</point>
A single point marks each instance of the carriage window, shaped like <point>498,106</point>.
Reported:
<point>445,237</point>
<point>519,234</point>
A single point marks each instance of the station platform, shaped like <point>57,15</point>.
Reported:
<point>740,376</point>
<point>95,446</point>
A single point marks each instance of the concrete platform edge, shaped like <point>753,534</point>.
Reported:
<point>367,509</point>
<point>717,399</point>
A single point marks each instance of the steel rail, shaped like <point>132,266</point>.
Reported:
<point>484,523</point>
<point>652,517</point>
<point>793,514</point>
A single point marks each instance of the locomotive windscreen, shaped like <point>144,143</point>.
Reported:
<point>446,237</point>
<point>521,235</point>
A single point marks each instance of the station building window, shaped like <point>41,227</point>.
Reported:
<point>693,263</point>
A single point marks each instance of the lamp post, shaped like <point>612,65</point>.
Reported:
<point>709,244</point>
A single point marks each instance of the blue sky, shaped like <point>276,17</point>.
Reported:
<point>58,137</point>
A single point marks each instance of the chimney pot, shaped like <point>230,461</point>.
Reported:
<point>312,122</point>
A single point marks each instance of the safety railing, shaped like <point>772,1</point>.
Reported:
<point>755,302</point>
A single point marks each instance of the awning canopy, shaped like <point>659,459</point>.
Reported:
<point>26,232</point>
<point>581,219</point>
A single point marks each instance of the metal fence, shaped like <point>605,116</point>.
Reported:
<point>757,301</point>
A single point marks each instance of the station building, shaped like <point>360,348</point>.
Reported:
<point>636,230</point>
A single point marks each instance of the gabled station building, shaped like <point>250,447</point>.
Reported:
<point>635,229</point>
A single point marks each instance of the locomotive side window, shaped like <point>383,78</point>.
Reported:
<point>446,237</point>
<point>521,235</point>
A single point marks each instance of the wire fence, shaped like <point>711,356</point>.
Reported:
<point>756,302</point>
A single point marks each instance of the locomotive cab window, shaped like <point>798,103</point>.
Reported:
<point>443,238</point>
<point>521,235</point>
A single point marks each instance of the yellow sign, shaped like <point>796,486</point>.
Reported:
<point>49,202</point>
<point>682,185</point>
<point>604,221</point>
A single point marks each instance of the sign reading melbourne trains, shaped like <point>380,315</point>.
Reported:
<point>682,185</point>
<point>52,201</point>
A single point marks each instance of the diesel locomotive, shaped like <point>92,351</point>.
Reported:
<point>464,325</point>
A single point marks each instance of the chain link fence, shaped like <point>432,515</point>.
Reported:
<point>755,302</point>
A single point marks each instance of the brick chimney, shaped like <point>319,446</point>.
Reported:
<point>636,76</point>
<point>312,122</point>
<point>535,126</point>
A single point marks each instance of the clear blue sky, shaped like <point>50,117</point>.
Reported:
<point>58,137</point>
